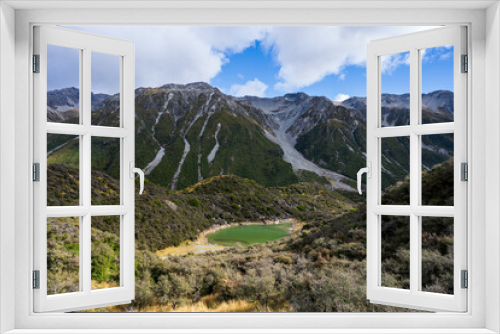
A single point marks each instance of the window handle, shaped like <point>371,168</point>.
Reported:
<point>368,171</point>
<point>139,171</point>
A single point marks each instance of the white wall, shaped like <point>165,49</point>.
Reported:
<point>7,167</point>
<point>481,105</point>
<point>492,150</point>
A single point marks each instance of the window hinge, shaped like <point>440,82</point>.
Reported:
<point>465,279</point>
<point>465,64</point>
<point>36,63</point>
<point>36,279</point>
<point>36,172</point>
<point>464,171</point>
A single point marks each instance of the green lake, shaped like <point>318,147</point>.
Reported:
<point>249,234</point>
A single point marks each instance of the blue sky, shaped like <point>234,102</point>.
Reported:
<point>263,61</point>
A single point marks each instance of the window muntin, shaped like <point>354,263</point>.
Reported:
<point>59,216</point>
<point>421,137</point>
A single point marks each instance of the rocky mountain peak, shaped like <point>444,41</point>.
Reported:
<point>439,101</point>
<point>200,86</point>
<point>63,104</point>
<point>296,97</point>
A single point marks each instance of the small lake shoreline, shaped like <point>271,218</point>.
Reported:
<point>202,245</point>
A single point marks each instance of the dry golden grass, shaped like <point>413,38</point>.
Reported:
<point>103,285</point>
<point>203,183</point>
<point>206,304</point>
<point>184,249</point>
<point>296,227</point>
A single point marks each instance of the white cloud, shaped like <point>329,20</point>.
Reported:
<point>253,87</point>
<point>230,39</point>
<point>445,56</point>
<point>342,77</point>
<point>341,97</point>
<point>304,55</point>
<point>389,63</point>
<point>179,54</point>
<point>307,54</point>
<point>440,53</point>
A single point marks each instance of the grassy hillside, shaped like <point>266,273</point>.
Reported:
<point>339,144</point>
<point>329,140</point>
<point>165,218</point>
<point>244,150</point>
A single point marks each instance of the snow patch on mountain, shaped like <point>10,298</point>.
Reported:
<point>213,152</point>
<point>187,146</point>
<point>297,160</point>
<point>285,112</point>
<point>49,153</point>
<point>161,152</point>
<point>202,131</point>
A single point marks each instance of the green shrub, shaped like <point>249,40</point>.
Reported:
<point>194,202</point>
<point>301,208</point>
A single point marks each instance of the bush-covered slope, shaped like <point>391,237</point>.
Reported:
<point>348,234</point>
<point>339,143</point>
<point>320,269</point>
<point>165,218</point>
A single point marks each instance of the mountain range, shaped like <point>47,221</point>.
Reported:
<point>188,133</point>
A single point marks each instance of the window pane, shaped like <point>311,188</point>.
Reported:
<point>396,252</point>
<point>437,254</point>
<point>63,82</point>
<point>63,255</point>
<point>437,169</point>
<point>105,89</point>
<point>105,171</point>
<point>105,252</point>
<point>395,88</point>
<point>395,158</point>
<point>437,84</point>
<point>63,170</point>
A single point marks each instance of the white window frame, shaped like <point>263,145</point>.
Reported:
<point>86,44</point>
<point>414,296</point>
<point>483,246</point>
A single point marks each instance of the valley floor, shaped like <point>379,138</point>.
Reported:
<point>202,245</point>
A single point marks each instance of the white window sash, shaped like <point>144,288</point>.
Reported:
<point>86,297</point>
<point>415,298</point>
